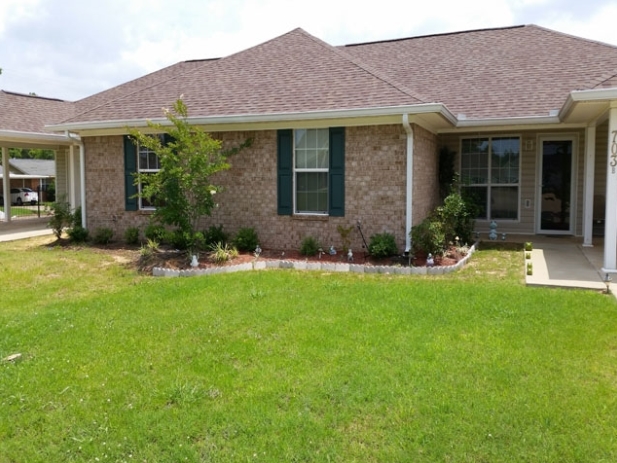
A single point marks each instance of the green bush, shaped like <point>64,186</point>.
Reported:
<point>103,235</point>
<point>382,245</point>
<point>428,236</point>
<point>78,234</point>
<point>131,235</point>
<point>155,232</point>
<point>457,217</point>
<point>246,239</point>
<point>214,235</point>
<point>183,240</point>
<point>309,246</point>
<point>61,217</point>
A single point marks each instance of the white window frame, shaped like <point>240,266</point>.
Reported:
<point>490,184</point>
<point>298,170</point>
<point>146,170</point>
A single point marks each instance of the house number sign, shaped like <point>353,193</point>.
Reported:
<point>613,162</point>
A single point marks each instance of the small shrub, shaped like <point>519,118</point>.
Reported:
<point>528,246</point>
<point>527,255</point>
<point>309,246</point>
<point>103,235</point>
<point>215,235</point>
<point>222,253</point>
<point>382,245</point>
<point>246,239</point>
<point>131,235</point>
<point>345,239</point>
<point>78,234</point>
<point>155,232</point>
<point>529,268</point>
<point>61,217</point>
<point>428,236</point>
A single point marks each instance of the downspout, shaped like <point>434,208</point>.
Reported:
<point>82,176</point>
<point>409,195</point>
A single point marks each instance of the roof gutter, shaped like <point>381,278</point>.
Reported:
<point>425,108</point>
<point>33,136</point>
<point>552,118</point>
<point>597,94</point>
<point>409,191</point>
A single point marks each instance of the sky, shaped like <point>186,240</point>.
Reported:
<point>71,49</point>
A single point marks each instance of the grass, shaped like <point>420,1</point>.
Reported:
<point>290,366</point>
<point>19,211</point>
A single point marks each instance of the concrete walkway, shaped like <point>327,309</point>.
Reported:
<point>24,228</point>
<point>564,262</point>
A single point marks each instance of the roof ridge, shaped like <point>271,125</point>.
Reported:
<point>381,76</point>
<point>171,78</point>
<point>26,95</point>
<point>441,34</point>
<point>565,34</point>
<point>154,84</point>
<point>605,78</point>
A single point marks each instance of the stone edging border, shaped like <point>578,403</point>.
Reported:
<point>325,266</point>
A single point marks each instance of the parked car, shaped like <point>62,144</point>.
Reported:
<point>21,196</point>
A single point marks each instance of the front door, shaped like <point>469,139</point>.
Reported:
<point>555,191</point>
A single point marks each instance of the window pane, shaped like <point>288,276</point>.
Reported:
<point>474,161</point>
<point>300,136</point>
<point>143,158</point>
<point>504,202</point>
<point>312,192</point>
<point>301,160</point>
<point>478,196</point>
<point>323,160</point>
<point>505,154</point>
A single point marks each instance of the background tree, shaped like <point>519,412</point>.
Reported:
<point>23,153</point>
<point>182,190</point>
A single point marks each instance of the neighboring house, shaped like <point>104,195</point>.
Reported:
<point>352,133</point>
<point>37,174</point>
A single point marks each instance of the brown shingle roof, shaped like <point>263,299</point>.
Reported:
<point>492,73</point>
<point>30,113</point>
<point>292,73</point>
<point>506,72</point>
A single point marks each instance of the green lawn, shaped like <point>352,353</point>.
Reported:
<point>285,366</point>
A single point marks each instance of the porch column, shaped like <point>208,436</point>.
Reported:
<point>610,233</point>
<point>590,165</point>
<point>6,184</point>
<point>409,186</point>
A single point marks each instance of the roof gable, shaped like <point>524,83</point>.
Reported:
<point>292,73</point>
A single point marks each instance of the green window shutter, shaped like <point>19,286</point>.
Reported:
<point>130,167</point>
<point>285,172</point>
<point>337,172</point>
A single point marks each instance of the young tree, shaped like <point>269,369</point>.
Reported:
<point>182,190</point>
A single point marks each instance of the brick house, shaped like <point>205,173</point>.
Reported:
<point>351,133</point>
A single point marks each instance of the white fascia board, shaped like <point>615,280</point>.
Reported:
<point>34,136</point>
<point>498,122</point>
<point>261,118</point>
<point>596,94</point>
